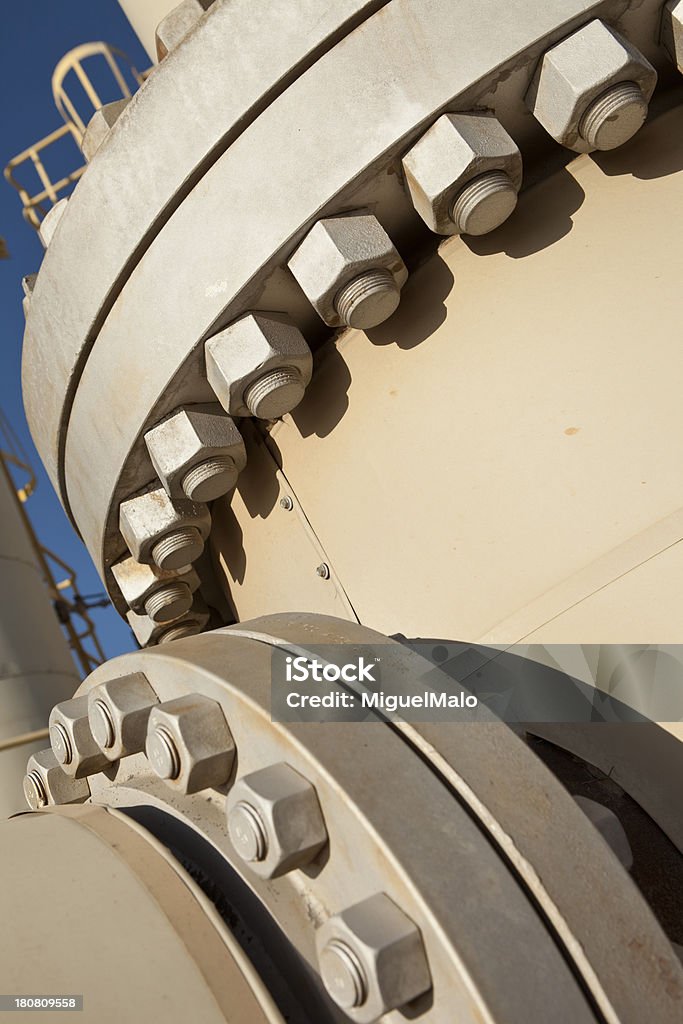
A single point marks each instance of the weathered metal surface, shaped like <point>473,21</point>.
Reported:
<point>598,915</point>
<point>329,156</point>
<point>416,867</point>
<point>177,124</point>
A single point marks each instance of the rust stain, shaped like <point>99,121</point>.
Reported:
<point>570,431</point>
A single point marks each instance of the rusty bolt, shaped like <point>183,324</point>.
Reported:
<point>162,531</point>
<point>163,596</point>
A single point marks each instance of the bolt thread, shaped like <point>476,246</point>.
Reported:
<point>60,743</point>
<point>168,743</point>
<point>163,599</point>
<point>274,380</point>
<point>360,289</point>
<point>39,788</point>
<point>177,548</point>
<point>257,831</point>
<point>103,730</point>
<point>220,469</point>
<point>353,969</point>
<point>608,106</point>
<point>478,191</point>
<point>183,629</point>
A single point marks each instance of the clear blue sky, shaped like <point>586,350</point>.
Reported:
<point>34,35</point>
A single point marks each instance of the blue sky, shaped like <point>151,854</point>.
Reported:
<point>34,35</point>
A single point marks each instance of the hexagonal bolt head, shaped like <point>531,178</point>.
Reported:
<point>372,959</point>
<point>149,633</point>
<point>163,596</point>
<point>49,223</point>
<point>46,783</point>
<point>118,710</point>
<point>163,531</point>
<point>672,31</point>
<point>189,744</point>
<point>99,126</point>
<point>259,366</point>
<point>274,820</point>
<point>464,174</point>
<point>591,90</point>
<point>198,452</point>
<point>177,23</point>
<point>71,740</point>
<point>350,271</point>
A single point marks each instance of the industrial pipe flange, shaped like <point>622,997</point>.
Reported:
<point>475,911</point>
<point>235,258</point>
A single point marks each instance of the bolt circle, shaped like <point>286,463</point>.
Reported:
<point>323,571</point>
<point>102,725</point>
<point>343,975</point>
<point>247,832</point>
<point>286,503</point>
<point>34,791</point>
<point>60,743</point>
<point>162,753</point>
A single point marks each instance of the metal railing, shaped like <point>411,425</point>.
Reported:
<point>38,198</point>
<point>71,607</point>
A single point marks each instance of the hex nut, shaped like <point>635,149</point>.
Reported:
<point>172,29</point>
<point>189,744</point>
<point>163,596</point>
<point>259,366</point>
<point>197,452</point>
<point>163,531</point>
<point>149,633</point>
<point>591,90</point>
<point>672,31</point>
<point>349,270</point>
<point>466,163</point>
<point>99,126</point>
<point>49,223</point>
<point>118,710</point>
<point>46,783</point>
<point>71,740</point>
<point>274,820</point>
<point>372,959</point>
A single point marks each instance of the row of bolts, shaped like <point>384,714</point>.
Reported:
<point>362,294</point>
<point>274,822</point>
